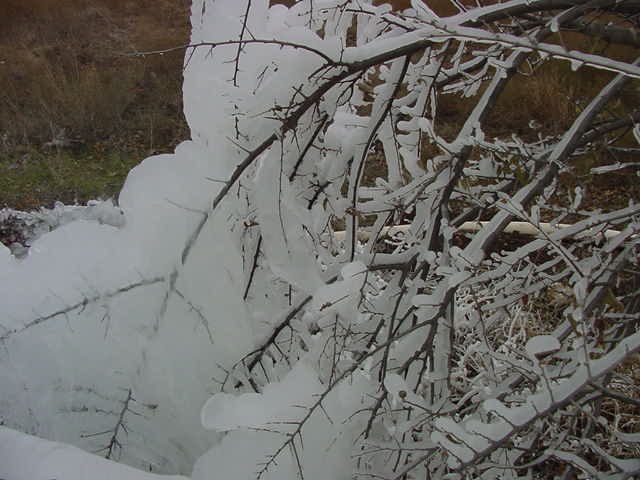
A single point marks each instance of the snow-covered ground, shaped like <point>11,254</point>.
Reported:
<point>47,459</point>
<point>29,226</point>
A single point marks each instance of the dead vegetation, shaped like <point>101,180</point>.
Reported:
<point>66,78</point>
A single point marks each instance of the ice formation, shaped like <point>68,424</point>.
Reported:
<point>139,333</point>
<point>112,338</point>
<point>98,338</point>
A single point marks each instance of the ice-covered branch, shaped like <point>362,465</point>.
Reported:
<point>385,246</point>
<point>80,306</point>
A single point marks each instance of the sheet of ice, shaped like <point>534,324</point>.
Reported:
<point>288,247</point>
<point>56,460</point>
<point>82,323</point>
<point>327,434</point>
<point>225,412</point>
<point>104,331</point>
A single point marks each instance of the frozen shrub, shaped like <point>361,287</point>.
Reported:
<point>368,351</point>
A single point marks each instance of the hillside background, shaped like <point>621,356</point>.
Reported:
<point>77,110</point>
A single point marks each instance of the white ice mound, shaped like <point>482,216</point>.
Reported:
<point>90,319</point>
<point>110,337</point>
<point>112,332</point>
<point>56,460</point>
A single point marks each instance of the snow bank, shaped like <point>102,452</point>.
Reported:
<point>90,315</point>
<point>56,460</point>
<point>117,322</point>
<point>105,330</point>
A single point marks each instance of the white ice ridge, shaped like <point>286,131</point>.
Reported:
<point>58,460</point>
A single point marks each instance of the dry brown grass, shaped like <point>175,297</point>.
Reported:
<point>64,66</point>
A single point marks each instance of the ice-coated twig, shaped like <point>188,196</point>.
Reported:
<point>79,306</point>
